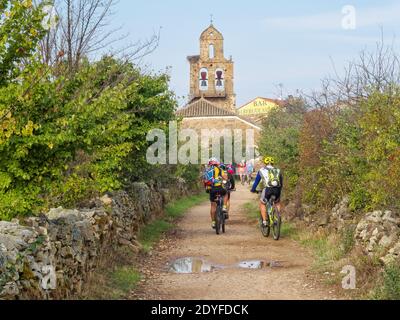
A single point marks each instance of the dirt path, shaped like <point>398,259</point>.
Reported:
<point>243,241</point>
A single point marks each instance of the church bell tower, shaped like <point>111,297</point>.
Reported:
<point>211,74</point>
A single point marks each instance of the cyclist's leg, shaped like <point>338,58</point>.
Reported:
<point>263,207</point>
<point>269,192</point>
<point>213,209</point>
<point>224,195</point>
<point>277,194</point>
<point>226,198</point>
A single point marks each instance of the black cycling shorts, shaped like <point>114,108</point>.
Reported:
<point>215,191</point>
<point>268,192</point>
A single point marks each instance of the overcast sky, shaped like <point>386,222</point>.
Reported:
<point>271,42</point>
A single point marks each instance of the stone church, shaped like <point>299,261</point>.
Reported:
<point>212,99</point>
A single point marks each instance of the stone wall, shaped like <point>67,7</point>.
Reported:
<point>377,233</point>
<point>51,256</point>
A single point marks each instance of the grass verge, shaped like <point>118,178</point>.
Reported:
<point>334,250</point>
<point>114,278</point>
<point>125,279</point>
<point>388,285</point>
<point>325,249</point>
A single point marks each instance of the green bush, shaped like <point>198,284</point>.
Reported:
<point>359,198</point>
<point>280,139</point>
<point>66,137</point>
<point>73,138</point>
<point>20,32</point>
<point>347,239</point>
<point>358,156</point>
<point>390,287</point>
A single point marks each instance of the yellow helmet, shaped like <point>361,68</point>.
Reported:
<point>269,160</point>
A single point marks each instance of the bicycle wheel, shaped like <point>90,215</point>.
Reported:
<point>221,215</point>
<point>218,220</point>
<point>265,230</point>
<point>223,221</point>
<point>276,227</point>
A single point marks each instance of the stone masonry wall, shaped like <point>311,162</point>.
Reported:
<point>377,232</point>
<point>50,257</point>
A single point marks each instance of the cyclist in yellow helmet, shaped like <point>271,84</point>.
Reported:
<point>273,182</point>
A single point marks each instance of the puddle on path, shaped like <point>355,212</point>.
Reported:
<point>192,265</point>
<point>254,264</point>
<point>198,265</point>
<point>259,264</point>
<point>276,264</point>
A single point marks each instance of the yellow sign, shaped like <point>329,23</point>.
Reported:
<point>258,106</point>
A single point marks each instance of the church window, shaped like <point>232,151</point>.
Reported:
<point>211,51</point>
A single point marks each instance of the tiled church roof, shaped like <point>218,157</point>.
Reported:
<point>203,108</point>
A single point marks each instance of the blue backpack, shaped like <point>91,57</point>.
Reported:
<point>212,176</point>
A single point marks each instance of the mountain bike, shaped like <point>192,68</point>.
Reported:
<point>274,219</point>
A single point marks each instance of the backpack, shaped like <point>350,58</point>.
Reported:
<point>212,176</point>
<point>274,180</point>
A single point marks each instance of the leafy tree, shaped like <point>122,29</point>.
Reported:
<point>20,31</point>
<point>66,137</point>
<point>358,158</point>
<point>280,139</point>
<point>79,136</point>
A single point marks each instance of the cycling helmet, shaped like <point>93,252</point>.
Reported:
<point>269,160</point>
<point>213,162</point>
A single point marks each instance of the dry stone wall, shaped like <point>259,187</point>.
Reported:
<point>51,256</point>
<point>377,232</point>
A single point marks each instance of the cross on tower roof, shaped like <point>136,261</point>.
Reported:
<point>212,19</point>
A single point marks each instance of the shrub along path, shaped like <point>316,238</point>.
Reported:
<point>284,275</point>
